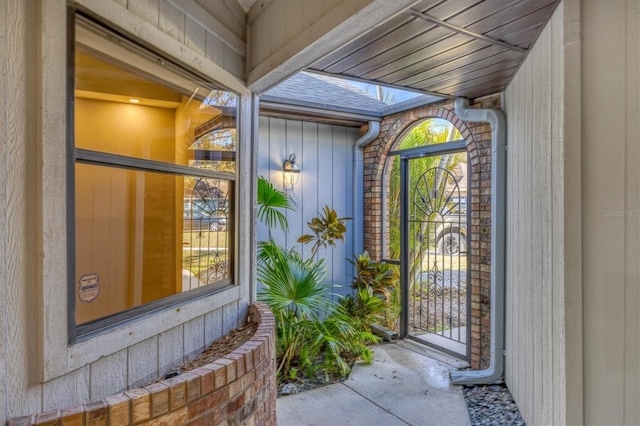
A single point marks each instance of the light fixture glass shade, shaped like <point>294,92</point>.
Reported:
<point>291,171</point>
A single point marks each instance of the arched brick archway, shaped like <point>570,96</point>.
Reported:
<point>478,140</point>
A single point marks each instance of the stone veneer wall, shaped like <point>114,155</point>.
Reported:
<point>478,140</point>
<point>238,389</point>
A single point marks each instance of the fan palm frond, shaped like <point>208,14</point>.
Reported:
<point>270,203</point>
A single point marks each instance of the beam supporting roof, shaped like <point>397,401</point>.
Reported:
<point>338,27</point>
<point>472,34</point>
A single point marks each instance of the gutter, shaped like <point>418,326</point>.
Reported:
<point>498,232</point>
<point>296,104</point>
<point>358,184</point>
<point>410,104</point>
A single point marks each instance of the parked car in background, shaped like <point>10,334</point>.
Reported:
<point>451,235</point>
<point>197,220</point>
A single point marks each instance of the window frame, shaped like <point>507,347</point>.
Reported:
<point>80,333</point>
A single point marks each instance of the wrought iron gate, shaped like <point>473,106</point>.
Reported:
<point>435,259</point>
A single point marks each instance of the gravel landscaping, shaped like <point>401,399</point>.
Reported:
<point>491,405</point>
<point>437,310</point>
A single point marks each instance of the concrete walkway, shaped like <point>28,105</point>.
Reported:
<point>407,384</point>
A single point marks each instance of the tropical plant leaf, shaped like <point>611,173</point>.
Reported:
<point>270,201</point>
<point>326,228</point>
<point>305,239</point>
<point>293,285</point>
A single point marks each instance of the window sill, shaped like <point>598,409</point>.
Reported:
<point>110,342</point>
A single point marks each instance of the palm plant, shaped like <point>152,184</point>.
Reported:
<point>292,284</point>
<point>309,327</point>
<point>364,309</point>
<point>293,291</point>
<point>271,202</point>
<point>340,340</point>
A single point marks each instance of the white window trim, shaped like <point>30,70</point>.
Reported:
<point>58,357</point>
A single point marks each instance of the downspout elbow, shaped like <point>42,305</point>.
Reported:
<point>372,132</point>
<point>496,120</point>
<point>494,117</point>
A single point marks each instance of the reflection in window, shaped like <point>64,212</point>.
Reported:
<point>147,228</point>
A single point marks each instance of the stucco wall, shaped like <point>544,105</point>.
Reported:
<point>40,370</point>
<point>324,153</point>
<point>543,276</point>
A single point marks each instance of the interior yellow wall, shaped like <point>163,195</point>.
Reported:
<point>97,236</point>
<point>135,256</point>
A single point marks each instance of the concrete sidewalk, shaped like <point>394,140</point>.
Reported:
<point>407,384</point>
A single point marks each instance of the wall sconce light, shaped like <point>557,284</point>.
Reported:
<point>290,171</point>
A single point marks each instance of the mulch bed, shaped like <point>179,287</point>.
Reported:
<point>223,346</point>
<point>236,338</point>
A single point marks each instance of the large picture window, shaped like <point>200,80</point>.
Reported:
<point>153,160</point>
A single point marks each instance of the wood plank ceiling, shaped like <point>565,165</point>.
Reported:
<point>448,48</point>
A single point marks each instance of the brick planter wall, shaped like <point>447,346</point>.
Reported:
<point>478,140</point>
<point>237,389</point>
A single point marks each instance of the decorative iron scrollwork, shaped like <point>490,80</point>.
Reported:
<point>434,279</point>
<point>216,271</point>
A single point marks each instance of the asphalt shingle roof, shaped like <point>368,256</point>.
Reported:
<point>326,91</point>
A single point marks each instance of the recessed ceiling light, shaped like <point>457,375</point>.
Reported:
<point>134,101</point>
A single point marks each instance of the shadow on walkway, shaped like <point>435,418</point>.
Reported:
<point>407,384</point>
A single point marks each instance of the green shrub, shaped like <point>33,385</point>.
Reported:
<point>314,336</point>
<point>376,292</point>
<point>326,228</point>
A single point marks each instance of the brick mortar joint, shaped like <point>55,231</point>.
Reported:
<point>266,326</point>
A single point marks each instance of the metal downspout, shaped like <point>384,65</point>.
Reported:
<point>358,184</point>
<point>498,231</point>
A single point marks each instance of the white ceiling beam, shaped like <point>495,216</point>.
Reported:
<point>466,32</point>
<point>349,20</point>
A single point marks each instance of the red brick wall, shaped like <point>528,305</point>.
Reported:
<point>478,139</point>
<point>239,389</point>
